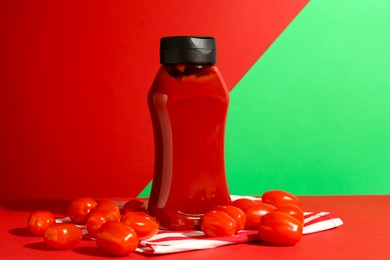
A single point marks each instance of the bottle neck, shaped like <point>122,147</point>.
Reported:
<point>185,69</point>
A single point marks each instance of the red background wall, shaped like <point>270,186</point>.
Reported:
<point>74,77</point>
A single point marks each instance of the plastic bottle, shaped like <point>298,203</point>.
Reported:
<point>188,103</point>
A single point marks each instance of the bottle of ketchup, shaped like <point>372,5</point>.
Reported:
<point>188,103</point>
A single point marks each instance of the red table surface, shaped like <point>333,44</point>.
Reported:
<point>364,235</point>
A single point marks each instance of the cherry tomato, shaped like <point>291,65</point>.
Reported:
<point>97,218</point>
<point>218,224</point>
<point>39,221</point>
<point>134,205</point>
<point>236,213</point>
<point>255,212</point>
<point>279,198</point>
<point>80,208</point>
<point>243,203</point>
<point>110,206</point>
<point>63,235</point>
<point>292,210</point>
<point>278,228</point>
<point>116,238</point>
<point>144,225</point>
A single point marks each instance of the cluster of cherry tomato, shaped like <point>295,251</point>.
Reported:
<point>278,218</point>
<point>115,231</point>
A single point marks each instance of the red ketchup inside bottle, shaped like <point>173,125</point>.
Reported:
<point>188,103</point>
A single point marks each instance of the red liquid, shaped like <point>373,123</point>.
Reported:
<point>188,109</point>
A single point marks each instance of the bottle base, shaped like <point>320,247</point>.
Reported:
<point>176,220</point>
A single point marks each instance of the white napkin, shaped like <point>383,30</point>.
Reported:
<point>166,242</point>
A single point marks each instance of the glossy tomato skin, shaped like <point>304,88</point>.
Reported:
<point>280,229</point>
<point>236,213</point>
<point>116,238</point>
<point>279,198</point>
<point>254,214</point>
<point>110,206</point>
<point>97,218</point>
<point>143,224</point>
<point>80,208</point>
<point>292,210</point>
<point>218,224</point>
<point>134,205</point>
<point>243,203</point>
<point>63,235</point>
<point>39,221</point>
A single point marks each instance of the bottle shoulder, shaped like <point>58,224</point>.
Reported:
<point>189,79</point>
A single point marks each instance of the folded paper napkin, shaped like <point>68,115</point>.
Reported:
<point>172,242</point>
<point>166,242</point>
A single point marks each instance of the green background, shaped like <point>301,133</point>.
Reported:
<point>312,116</point>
